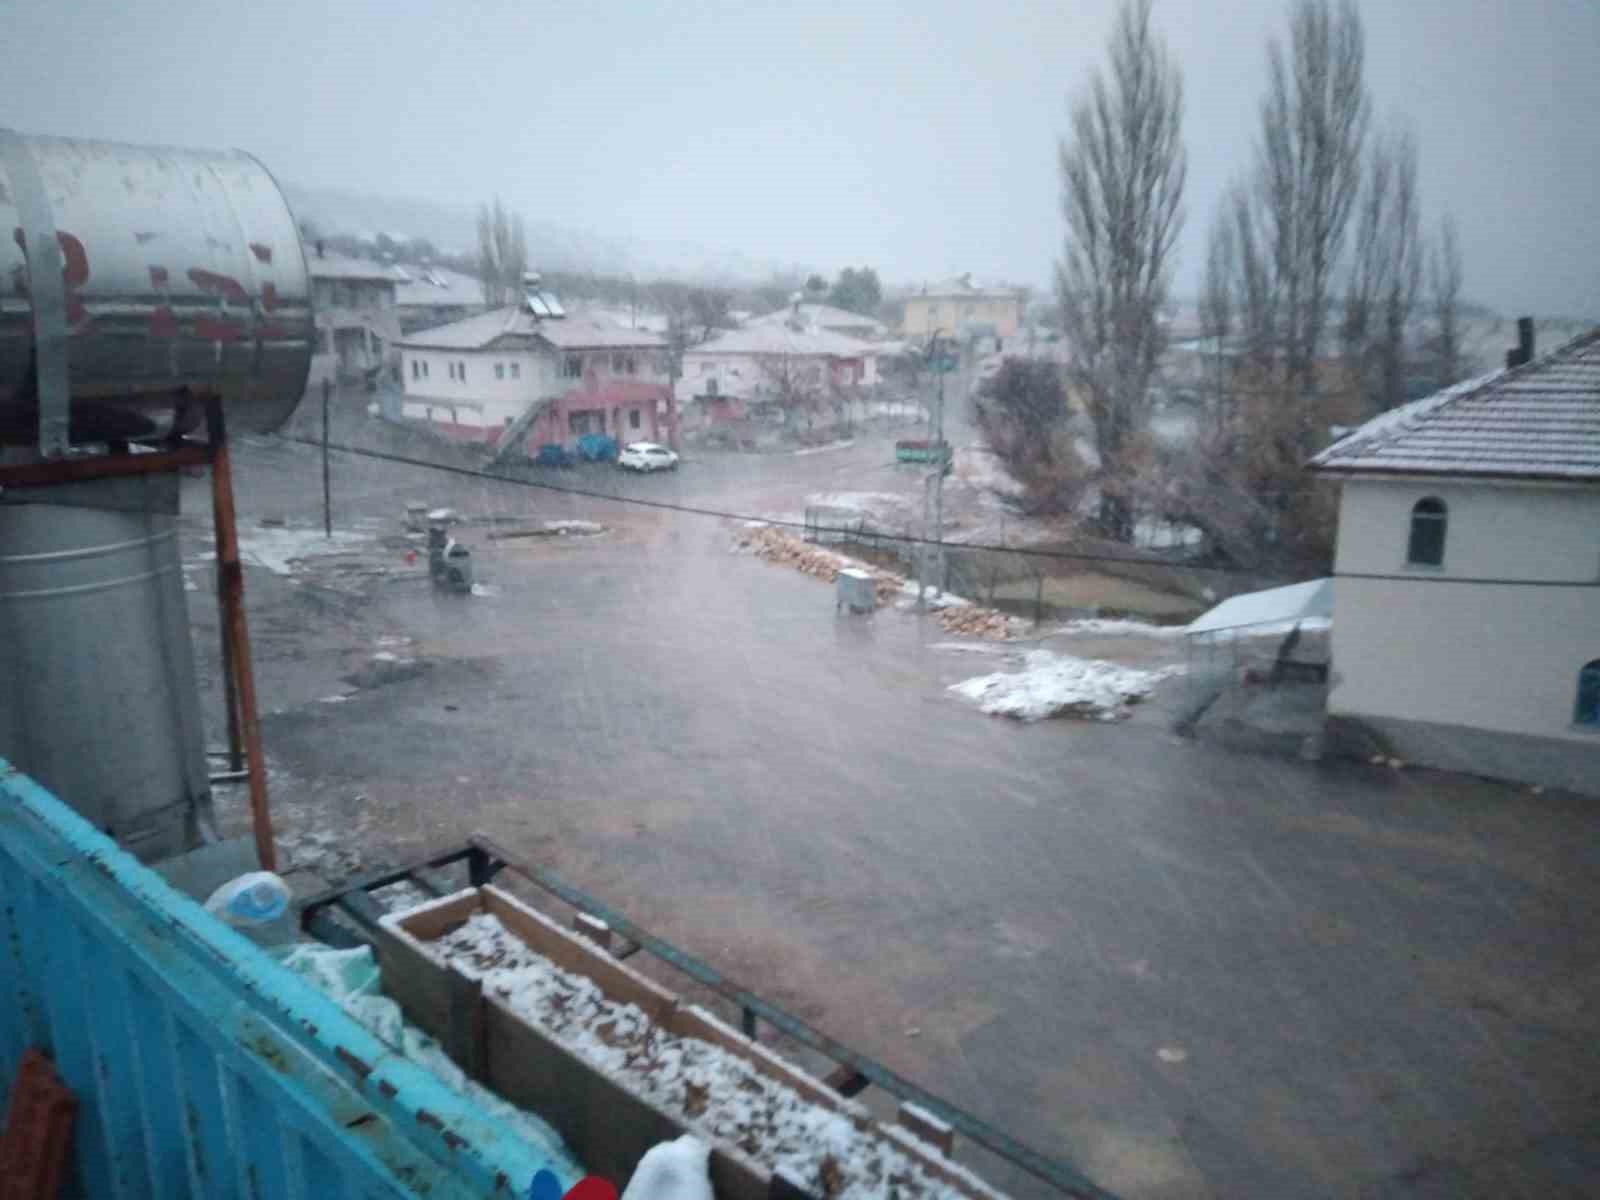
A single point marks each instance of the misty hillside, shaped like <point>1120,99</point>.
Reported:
<point>551,246</point>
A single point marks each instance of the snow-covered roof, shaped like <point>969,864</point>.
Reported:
<point>781,339</point>
<point>577,331</point>
<point>438,287</point>
<point>967,288</point>
<point>822,316</point>
<point>339,266</point>
<point>1537,421</point>
<point>1279,605</point>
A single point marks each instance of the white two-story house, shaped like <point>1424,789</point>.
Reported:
<point>1467,592</point>
<point>542,375</point>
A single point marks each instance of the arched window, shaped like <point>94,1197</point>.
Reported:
<point>1587,709</point>
<point>1428,520</point>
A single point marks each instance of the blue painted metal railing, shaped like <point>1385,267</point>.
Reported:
<point>202,1067</point>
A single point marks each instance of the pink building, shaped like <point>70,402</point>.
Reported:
<point>535,373</point>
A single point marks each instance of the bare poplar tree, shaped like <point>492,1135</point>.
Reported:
<point>1444,296</point>
<point>1217,315</point>
<point>1122,176</point>
<point>502,253</point>
<point>1385,275</point>
<point>1308,170</point>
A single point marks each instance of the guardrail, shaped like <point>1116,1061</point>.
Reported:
<point>201,1066</point>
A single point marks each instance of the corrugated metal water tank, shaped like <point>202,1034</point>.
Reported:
<point>97,686</point>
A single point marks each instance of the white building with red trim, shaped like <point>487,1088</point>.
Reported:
<point>555,376</point>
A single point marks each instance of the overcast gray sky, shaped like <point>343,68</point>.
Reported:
<point>918,138</point>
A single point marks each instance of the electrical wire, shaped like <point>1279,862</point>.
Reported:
<point>725,515</point>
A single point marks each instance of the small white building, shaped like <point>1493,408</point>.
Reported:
<point>1467,592</point>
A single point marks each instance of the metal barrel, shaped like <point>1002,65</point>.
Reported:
<point>97,684</point>
<point>133,276</point>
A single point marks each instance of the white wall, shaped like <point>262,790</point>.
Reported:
<point>1428,644</point>
<point>1496,530</point>
<point>495,398</point>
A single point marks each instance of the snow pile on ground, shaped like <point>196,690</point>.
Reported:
<point>1107,627</point>
<point>574,528</point>
<point>350,979</point>
<point>278,548</point>
<point>932,597</point>
<point>719,1094</point>
<point>844,445</point>
<point>1058,685</point>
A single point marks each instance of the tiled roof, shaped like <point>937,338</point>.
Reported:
<point>1537,421</point>
<point>575,332</point>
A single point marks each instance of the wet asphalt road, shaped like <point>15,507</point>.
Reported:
<point>1187,972</point>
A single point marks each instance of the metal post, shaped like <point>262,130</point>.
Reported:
<point>327,492</point>
<point>233,619</point>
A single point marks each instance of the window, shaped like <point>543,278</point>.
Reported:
<point>1428,520</point>
<point>633,418</point>
<point>572,368</point>
<point>424,368</point>
<point>516,370</point>
<point>461,371</point>
<point>1587,709</point>
<point>499,370</point>
<point>416,369</point>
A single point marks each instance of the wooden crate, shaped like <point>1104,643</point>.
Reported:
<point>607,1124</point>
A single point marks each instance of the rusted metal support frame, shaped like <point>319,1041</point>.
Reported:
<point>113,466</point>
<point>236,630</point>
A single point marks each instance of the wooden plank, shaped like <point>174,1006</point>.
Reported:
<point>467,1042</point>
<point>572,953</point>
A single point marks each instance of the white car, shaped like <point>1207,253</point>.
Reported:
<point>647,456</point>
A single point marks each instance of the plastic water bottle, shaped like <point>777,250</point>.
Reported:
<point>253,899</point>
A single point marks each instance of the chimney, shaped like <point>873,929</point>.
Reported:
<point>1522,352</point>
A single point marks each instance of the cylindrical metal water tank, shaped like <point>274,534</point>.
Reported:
<point>97,688</point>
<point>179,269</point>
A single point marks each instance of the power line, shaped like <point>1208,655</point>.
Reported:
<point>724,515</point>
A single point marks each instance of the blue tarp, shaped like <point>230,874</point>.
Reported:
<point>597,447</point>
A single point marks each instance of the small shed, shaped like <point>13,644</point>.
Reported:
<point>1296,618</point>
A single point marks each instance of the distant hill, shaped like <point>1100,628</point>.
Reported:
<point>452,228</point>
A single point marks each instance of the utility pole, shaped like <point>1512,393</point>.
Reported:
<point>327,491</point>
<point>933,488</point>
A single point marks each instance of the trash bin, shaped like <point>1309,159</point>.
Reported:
<point>458,567</point>
<point>853,590</point>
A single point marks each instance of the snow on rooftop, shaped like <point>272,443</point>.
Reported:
<point>1280,605</point>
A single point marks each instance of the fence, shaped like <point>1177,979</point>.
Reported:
<point>201,1067</point>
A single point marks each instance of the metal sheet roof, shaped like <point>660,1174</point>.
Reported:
<point>1537,421</point>
<point>1275,606</point>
